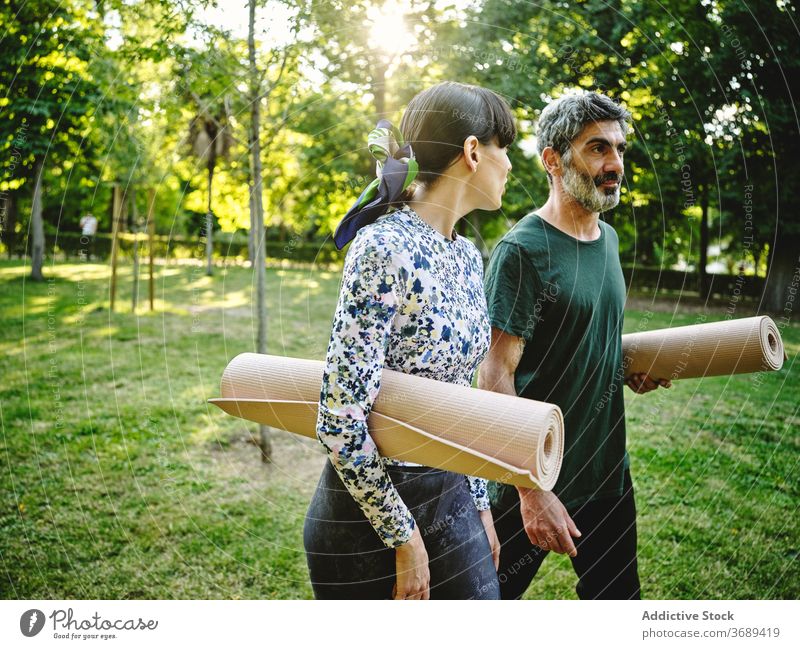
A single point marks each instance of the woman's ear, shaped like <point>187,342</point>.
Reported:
<point>471,153</point>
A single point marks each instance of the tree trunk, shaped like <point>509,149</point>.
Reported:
<point>10,223</point>
<point>251,233</point>
<point>757,252</point>
<point>135,230</point>
<point>257,215</point>
<point>151,233</point>
<point>115,227</point>
<point>783,276</point>
<point>135,293</point>
<point>702,275</point>
<point>37,225</point>
<point>212,161</point>
<point>124,213</point>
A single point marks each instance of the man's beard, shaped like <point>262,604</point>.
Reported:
<point>586,191</point>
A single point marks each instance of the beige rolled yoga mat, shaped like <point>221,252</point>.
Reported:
<point>709,349</point>
<point>414,419</point>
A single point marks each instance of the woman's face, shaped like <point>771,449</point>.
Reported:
<point>489,180</point>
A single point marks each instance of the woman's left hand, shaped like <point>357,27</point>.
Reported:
<point>494,542</point>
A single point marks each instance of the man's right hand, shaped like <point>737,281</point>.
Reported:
<point>413,574</point>
<point>547,522</point>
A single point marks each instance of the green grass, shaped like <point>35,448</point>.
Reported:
<point>119,481</point>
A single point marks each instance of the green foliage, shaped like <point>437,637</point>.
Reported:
<point>50,88</point>
<point>703,81</point>
<point>709,85</point>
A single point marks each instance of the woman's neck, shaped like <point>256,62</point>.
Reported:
<point>441,206</point>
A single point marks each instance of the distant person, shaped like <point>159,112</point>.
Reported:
<point>88,226</point>
<point>556,299</point>
<point>412,301</point>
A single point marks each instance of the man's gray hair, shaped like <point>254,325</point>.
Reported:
<point>563,120</point>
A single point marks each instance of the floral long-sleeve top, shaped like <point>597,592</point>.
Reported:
<point>412,301</point>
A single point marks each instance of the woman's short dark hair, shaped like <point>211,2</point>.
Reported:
<point>439,119</point>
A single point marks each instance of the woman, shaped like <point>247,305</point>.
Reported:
<point>412,301</point>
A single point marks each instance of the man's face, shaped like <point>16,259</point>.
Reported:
<point>593,167</point>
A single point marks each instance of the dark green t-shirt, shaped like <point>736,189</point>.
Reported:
<point>566,298</point>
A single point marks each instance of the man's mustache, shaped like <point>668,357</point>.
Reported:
<point>607,177</point>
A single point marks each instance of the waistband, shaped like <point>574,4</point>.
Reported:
<point>414,468</point>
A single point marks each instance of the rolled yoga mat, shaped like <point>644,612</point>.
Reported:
<point>414,419</point>
<point>710,349</point>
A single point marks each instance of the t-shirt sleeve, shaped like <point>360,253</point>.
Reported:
<point>512,286</point>
<point>373,286</point>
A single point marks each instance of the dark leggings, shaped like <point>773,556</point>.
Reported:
<point>606,563</point>
<point>347,560</point>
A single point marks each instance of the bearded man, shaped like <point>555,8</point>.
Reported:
<point>556,298</point>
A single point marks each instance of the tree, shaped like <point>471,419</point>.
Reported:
<point>260,87</point>
<point>210,140</point>
<point>50,94</point>
<point>758,53</point>
<point>709,88</point>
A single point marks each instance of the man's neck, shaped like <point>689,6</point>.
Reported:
<point>569,216</point>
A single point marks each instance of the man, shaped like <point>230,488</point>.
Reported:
<point>556,298</point>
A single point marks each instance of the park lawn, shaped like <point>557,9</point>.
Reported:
<point>119,481</point>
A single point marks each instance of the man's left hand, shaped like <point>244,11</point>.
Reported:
<point>642,382</point>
